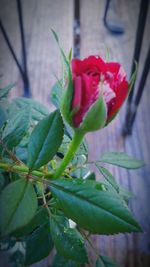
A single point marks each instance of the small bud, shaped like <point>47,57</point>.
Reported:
<point>99,90</point>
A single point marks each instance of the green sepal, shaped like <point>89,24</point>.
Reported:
<point>67,83</point>
<point>133,78</point>
<point>95,117</point>
<point>66,101</point>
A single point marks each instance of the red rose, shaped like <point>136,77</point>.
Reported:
<point>92,78</point>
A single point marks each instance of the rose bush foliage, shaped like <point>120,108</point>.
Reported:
<point>45,179</point>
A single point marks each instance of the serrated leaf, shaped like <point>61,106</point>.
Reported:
<point>38,244</point>
<point>122,160</point>
<point>37,110</point>
<point>40,218</point>
<point>16,128</point>
<point>108,176</point>
<point>125,194</point>
<point>5,91</point>
<point>45,140</point>
<point>59,261</point>
<point>18,204</point>
<point>104,261</point>
<point>92,208</point>
<point>68,242</point>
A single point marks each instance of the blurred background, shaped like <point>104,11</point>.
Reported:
<point>89,27</point>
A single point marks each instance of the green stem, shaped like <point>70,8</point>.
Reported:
<point>22,169</point>
<point>76,141</point>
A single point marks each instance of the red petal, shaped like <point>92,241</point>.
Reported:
<point>121,94</point>
<point>113,67</point>
<point>93,61</point>
<point>76,67</point>
<point>90,63</point>
<point>76,102</point>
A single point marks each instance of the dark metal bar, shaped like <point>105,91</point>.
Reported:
<point>76,28</point>
<point>24,57</point>
<point>77,10</point>
<point>143,79</point>
<point>106,12</point>
<point>11,49</point>
<point>132,106</point>
<point>139,38</point>
<point>114,29</point>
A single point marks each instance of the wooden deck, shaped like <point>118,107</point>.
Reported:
<point>43,62</point>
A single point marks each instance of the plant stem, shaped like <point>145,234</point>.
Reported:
<point>76,141</point>
<point>12,156</point>
<point>22,169</point>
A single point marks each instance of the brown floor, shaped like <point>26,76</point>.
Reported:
<point>43,62</point>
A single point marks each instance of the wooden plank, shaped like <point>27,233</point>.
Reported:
<point>128,250</point>
<point>43,54</point>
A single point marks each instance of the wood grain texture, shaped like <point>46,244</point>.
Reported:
<point>128,250</point>
<point>43,62</point>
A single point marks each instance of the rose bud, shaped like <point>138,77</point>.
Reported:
<point>98,91</point>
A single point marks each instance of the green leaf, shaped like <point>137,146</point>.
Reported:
<point>45,140</point>
<point>91,176</point>
<point>3,180</point>
<point>4,104</point>
<point>108,176</point>
<point>56,94</point>
<point>38,245</point>
<point>40,218</point>
<point>80,172</point>
<point>122,160</point>
<point>68,242</point>
<point>5,91</point>
<point>103,261</point>
<point>16,128</point>
<point>124,193</point>
<point>18,204</point>
<point>59,261</point>
<point>92,207</point>
<point>3,116</point>
<point>37,110</point>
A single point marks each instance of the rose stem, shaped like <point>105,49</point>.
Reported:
<point>22,169</point>
<point>76,141</point>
